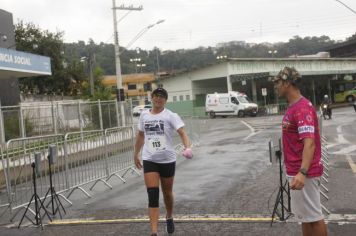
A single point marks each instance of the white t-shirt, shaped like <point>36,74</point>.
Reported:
<point>159,129</point>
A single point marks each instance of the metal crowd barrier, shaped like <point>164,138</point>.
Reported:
<point>4,203</point>
<point>126,139</point>
<point>324,191</point>
<point>83,159</point>
<point>17,161</point>
<point>19,156</point>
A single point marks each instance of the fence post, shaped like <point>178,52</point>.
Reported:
<point>66,174</point>
<point>80,118</point>
<point>130,109</point>
<point>22,124</point>
<point>271,151</point>
<point>2,127</point>
<point>54,118</point>
<point>106,155</point>
<point>117,113</point>
<point>100,115</point>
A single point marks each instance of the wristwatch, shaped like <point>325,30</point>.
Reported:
<point>303,171</point>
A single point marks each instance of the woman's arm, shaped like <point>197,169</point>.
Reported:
<point>140,140</point>
<point>184,137</point>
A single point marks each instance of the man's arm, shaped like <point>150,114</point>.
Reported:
<point>308,152</point>
<point>184,137</point>
<point>308,155</point>
<point>140,140</point>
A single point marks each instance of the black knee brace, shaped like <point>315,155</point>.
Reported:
<point>153,197</point>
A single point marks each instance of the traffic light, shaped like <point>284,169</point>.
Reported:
<point>120,95</point>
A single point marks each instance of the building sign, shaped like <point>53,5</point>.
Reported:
<point>264,91</point>
<point>304,66</point>
<point>12,60</point>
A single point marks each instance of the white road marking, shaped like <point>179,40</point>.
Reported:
<point>258,126</point>
<point>248,126</point>
<point>341,217</point>
<point>352,164</point>
<point>332,145</point>
<point>251,129</point>
<point>346,150</point>
<point>340,135</point>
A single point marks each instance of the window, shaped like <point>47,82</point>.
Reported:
<point>181,97</point>
<point>242,99</point>
<point>147,87</point>
<point>234,100</point>
<point>131,86</point>
<point>187,97</point>
<point>174,98</point>
<point>224,100</point>
<point>348,86</point>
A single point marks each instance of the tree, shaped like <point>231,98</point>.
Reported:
<point>304,46</point>
<point>75,71</point>
<point>100,91</point>
<point>30,38</point>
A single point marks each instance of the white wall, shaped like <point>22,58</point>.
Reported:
<point>211,72</point>
<point>178,85</point>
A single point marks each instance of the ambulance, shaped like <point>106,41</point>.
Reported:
<point>232,103</point>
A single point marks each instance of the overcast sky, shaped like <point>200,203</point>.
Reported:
<point>189,23</point>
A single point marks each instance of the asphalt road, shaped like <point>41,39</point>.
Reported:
<point>230,177</point>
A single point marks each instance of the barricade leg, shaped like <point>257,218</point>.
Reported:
<point>81,189</point>
<point>118,176</point>
<point>65,199</point>
<point>100,180</point>
<point>6,206</point>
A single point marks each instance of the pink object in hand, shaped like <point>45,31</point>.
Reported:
<point>187,153</point>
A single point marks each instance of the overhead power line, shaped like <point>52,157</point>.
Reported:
<point>346,6</point>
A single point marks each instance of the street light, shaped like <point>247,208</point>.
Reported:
<point>222,57</point>
<point>141,66</point>
<point>3,37</point>
<point>140,33</point>
<point>135,60</point>
<point>272,52</point>
<point>91,76</point>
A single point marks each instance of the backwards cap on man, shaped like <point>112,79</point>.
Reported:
<point>160,92</point>
<point>287,74</point>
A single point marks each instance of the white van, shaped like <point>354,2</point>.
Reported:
<point>229,104</point>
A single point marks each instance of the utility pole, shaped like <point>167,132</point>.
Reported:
<point>91,61</point>
<point>158,78</point>
<point>120,90</point>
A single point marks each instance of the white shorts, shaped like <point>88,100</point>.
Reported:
<point>305,203</point>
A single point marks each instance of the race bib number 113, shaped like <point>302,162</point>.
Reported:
<point>157,144</point>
